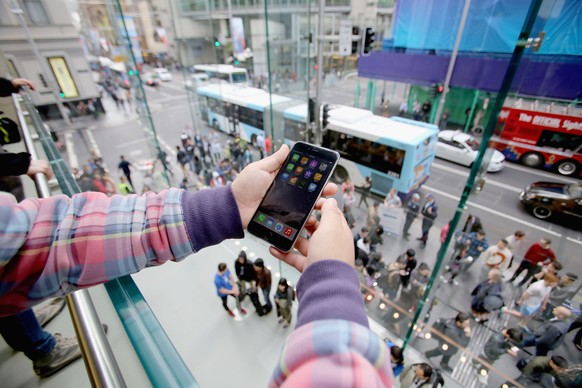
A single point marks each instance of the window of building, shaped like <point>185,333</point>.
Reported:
<point>35,11</point>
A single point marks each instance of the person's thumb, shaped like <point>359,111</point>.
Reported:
<point>330,213</point>
<point>273,162</point>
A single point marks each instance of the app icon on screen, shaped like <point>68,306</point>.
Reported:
<point>288,232</point>
<point>298,170</point>
<point>261,218</point>
<point>304,160</point>
<point>322,166</point>
<point>284,176</point>
<point>279,227</point>
<point>293,179</point>
<point>290,166</point>
<point>303,183</point>
<point>313,163</point>
<point>312,187</point>
<point>308,174</point>
<point>270,222</point>
<point>317,177</point>
<point>295,157</point>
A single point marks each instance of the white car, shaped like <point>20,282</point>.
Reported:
<point>462,148</point>
<point>163,74</point>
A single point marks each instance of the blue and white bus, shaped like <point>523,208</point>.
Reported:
<point>395,153</point>
<point>235,110</point>
<point>224,73</point>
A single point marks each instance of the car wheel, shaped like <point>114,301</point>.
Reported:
<point>542,212</point>
<point>340,174</point>
<point>567,167</point>
<point>532,159</point>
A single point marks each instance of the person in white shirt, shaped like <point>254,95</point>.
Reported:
<point>496,257</point>
<point>534,299</point>
<point>514,243</point>
<point>392,199</point>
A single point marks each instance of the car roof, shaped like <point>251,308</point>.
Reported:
<point>457,135</point>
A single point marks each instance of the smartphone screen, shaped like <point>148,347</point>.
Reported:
<point>293,194</point>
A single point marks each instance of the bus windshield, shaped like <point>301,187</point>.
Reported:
<point>238,78</point>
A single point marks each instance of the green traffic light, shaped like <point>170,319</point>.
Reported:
<point>62,95</point>
<point>217,43</point>
<point>131,72</point>
<point>236,62</point>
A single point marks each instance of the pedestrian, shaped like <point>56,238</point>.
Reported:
<point>457,329</point>
<point>537,255</point>
<point>408,262</point>
<point>264,283</point>
<point>396,358</point>
<point>364,232</point>
<point>403,109</point>
<point>426,108</point>
<point>565,290</point>
<point>376,238</point>
<point>473,224</point>
<point>182,159</point>
<point>261,144</point>
<point>444,120</point>
<point>98,184</point>
<point>416,110</point>
<point>184,184</point>
<point>226,286</point>
<point>348,200</point>
<point>553,267</point>
<point>363,251</point>
<point>551,334</point>
<point>217,180</point>
<point>429,214</point>
<point>216,148</point>
<point>373,217</point>
<point>347,185</point>
<point>514,243</point>
<point>417,376</point>
<point>411,212</point>
<point>125,166</point>
<point>498,344</point>
<point>199,145</point>
<point>389,281</point>
<point>410,295</point>
<point>534,298</point>
<point>392,200</point>
<point>124,187</point>
<point>487,296</point>
<point>543,371</point>
<point>268,145</point>
<point>143,238</point>
<point>284,300</point>
<point>496,256</point>
<point>365,189</point>
<point>473,245</point>
<point>247,156</point>
<point>245,272</point>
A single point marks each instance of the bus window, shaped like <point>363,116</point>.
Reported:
<point>559,141</point>
<point>251,117</point>
<point>215,106</point>
<point>204,107</point>
<point>294,130</point>
<point>238,78</point>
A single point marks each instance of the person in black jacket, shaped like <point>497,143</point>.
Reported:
<point>550,335</point>
<point>497,345</point>
<point>457,332</point>
<point>245,272</point>
<point>429,214</point>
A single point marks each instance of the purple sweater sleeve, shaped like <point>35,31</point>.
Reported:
<point>211,216</point>
<point>330,289</point>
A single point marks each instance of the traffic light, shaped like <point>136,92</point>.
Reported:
<point>62,94</point>
<point>355,31</point>
<point>325,117</point>
<point>436,89</point>
<point>311,110</point>
<point>131,72</point>
<point>216,42</point>
<point>369,39</point>
<point>236,62</point>
<point>440,88</point>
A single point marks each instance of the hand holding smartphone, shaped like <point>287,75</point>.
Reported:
<point>293,195</point>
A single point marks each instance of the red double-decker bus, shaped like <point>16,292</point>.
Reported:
<point>541,140</point>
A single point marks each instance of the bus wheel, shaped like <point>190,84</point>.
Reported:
<point>532,159</point>
<point>567,167</point>
<point>542,212</point>
<point>340,174</point>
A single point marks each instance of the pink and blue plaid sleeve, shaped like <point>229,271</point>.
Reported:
<point>333,353</point>
<point>54,246</point>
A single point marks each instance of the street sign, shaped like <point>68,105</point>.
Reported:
<point>345,38</point>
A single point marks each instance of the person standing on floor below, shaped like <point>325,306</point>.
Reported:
<point>264,283</point>
<point>125,166</point>
<point>429,214</point>
<point>536,256</point>
<point>284,300</point>
<point>457,329</point>
<point>412,209</point>
<point>365,188</point>
<point>225,286</point>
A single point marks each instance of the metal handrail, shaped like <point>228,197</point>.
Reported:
<point>100,362</point>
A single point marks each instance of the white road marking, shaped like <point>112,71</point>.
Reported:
<point>543,174</point>
<point>488,182</point>
<point>497,213</point>
<point>71,154</point>
<point>133,142</point>
<point>574,240</point>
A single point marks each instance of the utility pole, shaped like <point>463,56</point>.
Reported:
<point>320,44</point>
<point>46,71</point>
<point>452,62</point>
